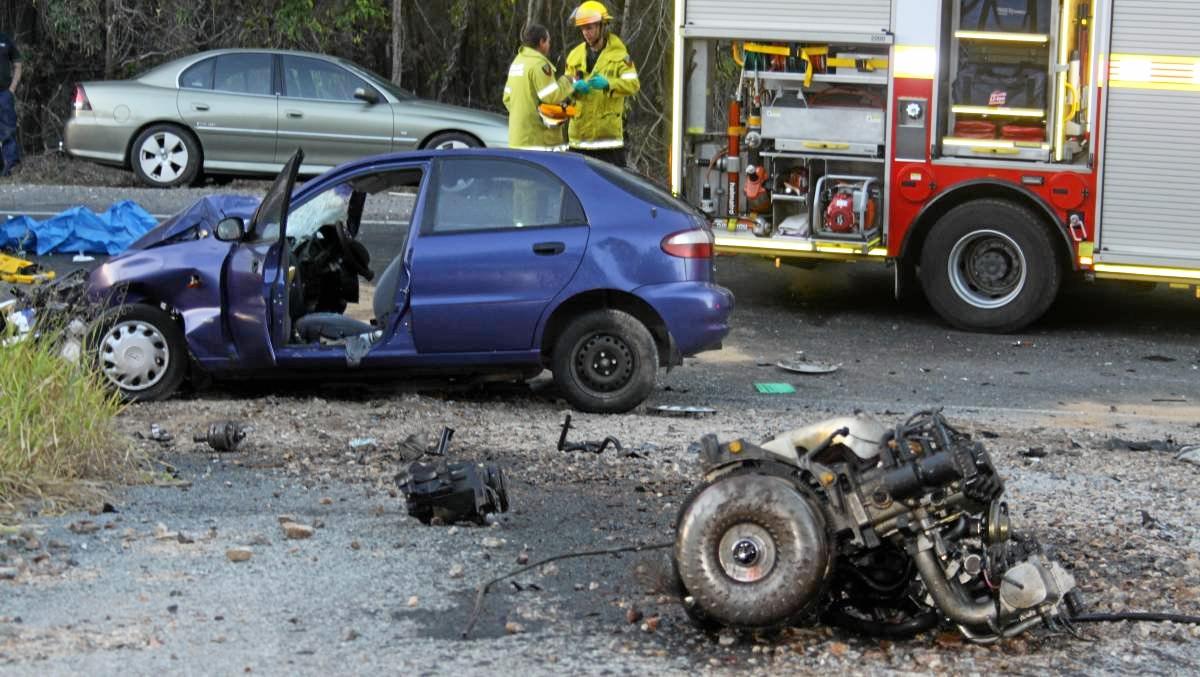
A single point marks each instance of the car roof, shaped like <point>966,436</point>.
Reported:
<point>165,74</point>
<point>563,160</point>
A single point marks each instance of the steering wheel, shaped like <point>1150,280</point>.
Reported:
<point>354,254</point>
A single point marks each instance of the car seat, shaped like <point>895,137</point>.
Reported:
<point>336,327</point>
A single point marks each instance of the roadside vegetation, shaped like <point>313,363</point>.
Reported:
<point>58,441</point>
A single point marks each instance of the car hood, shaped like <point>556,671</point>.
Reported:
<point>197,221</point>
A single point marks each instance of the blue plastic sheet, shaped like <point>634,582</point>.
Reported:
<point>79,230</point>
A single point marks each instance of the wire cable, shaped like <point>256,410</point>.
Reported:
<point>1142,616</point>
<point>483,589</point>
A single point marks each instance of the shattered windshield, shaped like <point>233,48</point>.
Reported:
<point>330,206</point>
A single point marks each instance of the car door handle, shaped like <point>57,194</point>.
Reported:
<point>200,106</point>
<point>295,114</point>
<point>549,248</point>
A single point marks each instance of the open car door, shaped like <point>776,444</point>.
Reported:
<point>256,277</point>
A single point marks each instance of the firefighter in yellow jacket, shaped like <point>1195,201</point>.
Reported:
<point>531,82</point>
<point>604,76</point>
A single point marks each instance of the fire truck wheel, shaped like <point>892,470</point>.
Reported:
<point>989,265</point>
<point>605,362</point>
<point>751,551</point>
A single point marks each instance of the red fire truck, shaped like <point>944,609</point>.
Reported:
<point>985,148</point>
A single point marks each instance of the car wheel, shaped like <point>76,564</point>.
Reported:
<point>605,362</point>
<point>751,551</point>
<point>141,352</point>
<point>989,265</point>
<point>452,141</point>
<point>165,156</point>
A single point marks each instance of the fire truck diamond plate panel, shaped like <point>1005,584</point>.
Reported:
<point>840,16</point>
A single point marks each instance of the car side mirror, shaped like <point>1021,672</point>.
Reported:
<point>364,94</point>
<point>231,229</point>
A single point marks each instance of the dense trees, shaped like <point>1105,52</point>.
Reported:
<point>455,51</point>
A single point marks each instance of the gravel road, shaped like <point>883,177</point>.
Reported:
<point>1067,408</point>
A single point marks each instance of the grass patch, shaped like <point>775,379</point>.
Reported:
<point>59,445</point>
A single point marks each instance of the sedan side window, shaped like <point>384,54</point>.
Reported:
<point>198,75</point>
<point>494,194</point>
<point>307,78</point>
<point>243,73</point>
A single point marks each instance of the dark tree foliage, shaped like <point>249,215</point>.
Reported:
<point>454,51</point>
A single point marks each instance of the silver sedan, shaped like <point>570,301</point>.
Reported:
<point>247,111</point>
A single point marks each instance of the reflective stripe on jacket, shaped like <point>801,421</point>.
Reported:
<point>530,82</point>
<point>600,122</point>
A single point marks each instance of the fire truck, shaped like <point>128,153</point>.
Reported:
<point>986,149</point>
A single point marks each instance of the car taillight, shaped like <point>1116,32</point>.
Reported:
<point>79,100</point>
<point>689,244</point>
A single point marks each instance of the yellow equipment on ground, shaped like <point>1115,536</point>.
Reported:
<point>19,271</point>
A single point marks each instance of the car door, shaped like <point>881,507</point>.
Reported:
<point>499,238</point>
<point>256,276</point>
<point>229,100</point>
<point>319,112</point>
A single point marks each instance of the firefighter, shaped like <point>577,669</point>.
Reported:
<point>604,76</point>
<point>531,82</point>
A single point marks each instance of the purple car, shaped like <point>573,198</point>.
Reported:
<point>480,263</point>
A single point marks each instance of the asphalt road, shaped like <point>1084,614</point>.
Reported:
<point>373,591</point>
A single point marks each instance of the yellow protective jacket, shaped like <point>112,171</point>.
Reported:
<point>530,82</point>
<point>600,122</point>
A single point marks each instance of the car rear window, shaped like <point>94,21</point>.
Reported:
<point>640,187</point>
<point>198,75</point>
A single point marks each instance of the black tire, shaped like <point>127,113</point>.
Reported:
<point>990,266</point>
<point>141,352</point>
<point>605,362</point>
<point>787,560</point>
<point>166,156</point>
<point>453,140</point>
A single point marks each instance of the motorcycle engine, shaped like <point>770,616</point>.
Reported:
<point>916,534</point>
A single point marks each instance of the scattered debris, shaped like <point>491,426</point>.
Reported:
<point>1035,452</point>
<point>1189,454</point>
<point>239,554</point>
<point>1158,358</point>
<point>1118,444</point>
<point>365,444</point>
<point>456,571</point>
<point>84,527</point>
<point>223,436</point>
<point>808,367</point>
<point>295,531</point>
<point>159,435</point>
<point>492,542</point>
<point>680,410</point>
<point>775,388</point>
<point>514,628</point>
<point>633,615</point>
<point>413,602</point>
<point>591,447</point>
<point>453,492</point>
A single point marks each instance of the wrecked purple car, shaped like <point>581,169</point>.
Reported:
<point>480,263</point>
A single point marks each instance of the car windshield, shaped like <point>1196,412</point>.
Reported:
<point>640,187</point>
<point>378,81</point>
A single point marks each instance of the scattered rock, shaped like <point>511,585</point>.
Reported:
<point>651,624</point>
<point>492,542</point>
<point>456,571</point>
<point>326,501</point>
<point>523,557</point>
<point>161,533</point>
<point>84,527</point>
<point>1035,452</point>
<point>413,602</point>
<point>349,635</point>
<point>355,545</point>
<point>632,615</point>
<point>185,538</point>
<point>296,531</point>
<point>514,628</point>
<point>239,554</point>
<point>550,569</point>
<point>8,573</point>
<point>839,649</point>
<point>726,638</point>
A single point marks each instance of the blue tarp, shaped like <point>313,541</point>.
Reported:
<point>79,230</point>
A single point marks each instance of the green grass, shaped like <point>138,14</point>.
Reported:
<point>58,440</point>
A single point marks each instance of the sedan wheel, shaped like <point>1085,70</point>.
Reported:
<point>140,351</point>
<point>165,156</point>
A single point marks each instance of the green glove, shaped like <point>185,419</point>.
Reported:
<point>598,81</point>
<point>581,87</point>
